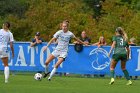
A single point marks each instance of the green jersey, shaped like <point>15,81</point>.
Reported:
<point>121,44</point>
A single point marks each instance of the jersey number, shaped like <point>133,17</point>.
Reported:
<point>121,42</point>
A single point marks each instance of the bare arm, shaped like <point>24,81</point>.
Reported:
<point>80,41</point>
<point>87,42</point>
<point>103,44</point>
<point>12,48</point>
<point>128,51</point>
<point>95,44</point>
<point>76,42</point>
<point>112,46</point>
<point>33,44</point>
<point>49,43</point>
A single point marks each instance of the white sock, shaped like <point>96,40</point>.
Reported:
<point>46,69</point>
<point>6,73</point>
<point>52,73</point>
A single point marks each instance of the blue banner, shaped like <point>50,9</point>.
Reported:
<point>92,60</point>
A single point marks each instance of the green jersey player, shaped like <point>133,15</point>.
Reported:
<point>121,53</point>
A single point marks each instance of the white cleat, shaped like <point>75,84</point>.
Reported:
<point>6,81</point>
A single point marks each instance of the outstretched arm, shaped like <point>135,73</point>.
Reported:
<point>80,41</point>
<point>49,43</point>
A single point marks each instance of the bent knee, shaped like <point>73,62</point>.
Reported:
<point>46,63</point>
<point>112,68</point>
<point>123,68</point>
<point>5,65</point>
<point>56,66</point>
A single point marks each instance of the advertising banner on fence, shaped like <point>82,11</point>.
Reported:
<point>92,60</point>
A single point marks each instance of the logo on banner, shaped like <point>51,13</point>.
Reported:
<point>99,58</point>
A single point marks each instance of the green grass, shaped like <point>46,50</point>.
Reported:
<point>27,84</point>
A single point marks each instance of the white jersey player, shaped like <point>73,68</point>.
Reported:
<point>6,37</point>
<point>63,37</point>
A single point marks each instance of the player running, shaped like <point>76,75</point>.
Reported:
<point>5,37</point>
<point>121,52</point>
<point>63,37</point>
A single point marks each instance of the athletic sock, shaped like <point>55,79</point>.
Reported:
<point>112,73</point>
<point>46,69</point>
<point>6,73</point>
<point>52,73</point>
<point>126,74</point>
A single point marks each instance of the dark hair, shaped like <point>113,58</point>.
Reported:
<point>7,24</point>
<point>37,33</point>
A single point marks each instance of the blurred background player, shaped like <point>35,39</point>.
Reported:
<point>84,38</point>
<point>78,46</point>
<point>101,42</point>
<point>132,43</point>
<point>121,52</point>
<point>6,37</point>
<point>36,40</point>
<point>63,37</point>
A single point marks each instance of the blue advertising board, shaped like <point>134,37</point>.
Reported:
<point>92,60</point>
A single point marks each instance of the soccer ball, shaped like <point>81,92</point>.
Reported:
<point>38,76</point>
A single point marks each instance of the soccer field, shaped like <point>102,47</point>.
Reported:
<point>27,84</point>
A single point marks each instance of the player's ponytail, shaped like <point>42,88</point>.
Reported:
<point>66,22</point>
<point>7,24</point>
<point>122,33</point>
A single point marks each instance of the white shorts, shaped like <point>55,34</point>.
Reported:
<point>3,54</point>
<point>61,54</point>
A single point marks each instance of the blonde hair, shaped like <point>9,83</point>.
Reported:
<point>133,40</point>
<point>64,22</point>
<point>122,33</point>
<point>104,41</point>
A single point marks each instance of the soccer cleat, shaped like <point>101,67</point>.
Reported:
<point>112,81</point>
<point>6,81</point>
<point>129,82</point>
<point>49,79</point>
<point>46,74</point>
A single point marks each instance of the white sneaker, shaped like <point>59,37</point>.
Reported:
<point>6,81</point>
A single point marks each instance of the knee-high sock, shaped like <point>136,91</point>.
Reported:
<point>6,72</point>
<point>52,73</point>
<point>126,74</point>
<point>112,73</point>
<point>46,69</point>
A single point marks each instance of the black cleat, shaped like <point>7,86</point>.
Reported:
<point>46,74</point>
<point>49,79</point>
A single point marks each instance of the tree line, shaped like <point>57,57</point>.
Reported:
<point>96,17</point>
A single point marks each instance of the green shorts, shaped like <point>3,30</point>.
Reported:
<point>117,57</point>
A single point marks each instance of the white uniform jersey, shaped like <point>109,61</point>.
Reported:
<point>63,39</point>
<point>5,38</point>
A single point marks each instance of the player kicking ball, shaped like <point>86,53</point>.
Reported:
<point>63,37</point>
<point>121,52</point>
<point>6,37</point>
